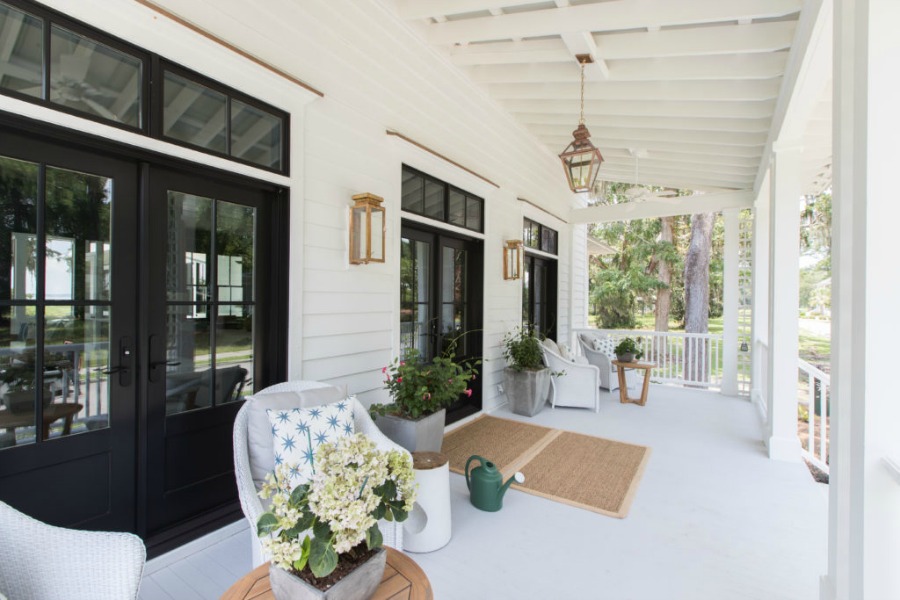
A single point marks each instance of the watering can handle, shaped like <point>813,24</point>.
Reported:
<point>469,462</point>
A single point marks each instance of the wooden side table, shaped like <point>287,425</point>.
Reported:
<point>403,580</point>
<point>623,386</point>
<point>52,412</point>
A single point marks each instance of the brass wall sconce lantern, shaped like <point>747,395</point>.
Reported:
<point>367,229</point>
<point>512,259</point>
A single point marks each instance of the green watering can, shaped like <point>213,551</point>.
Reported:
<point>486,487</point>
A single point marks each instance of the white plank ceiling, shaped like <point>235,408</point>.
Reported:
<point>681,93</point>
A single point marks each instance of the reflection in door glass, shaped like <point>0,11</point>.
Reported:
<point>235,227</point>
<point>188,374</point>
<point>453,294</point>
<point>17,376</point>
<point>234,354</point>
<point>415,315</point>
<point>189,243</point>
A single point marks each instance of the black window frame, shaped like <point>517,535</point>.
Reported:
<point>447,188</point>
<point>153,67</point>
<point>536,242</point>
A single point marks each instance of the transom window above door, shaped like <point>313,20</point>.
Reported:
<point>430,197</point>
<point>51,60</point>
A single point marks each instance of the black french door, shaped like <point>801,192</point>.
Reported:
<point>441,301</point>
<point>204,339</point>
<point>139,305</point>
<point>539,295</point>
<point>68,296</point>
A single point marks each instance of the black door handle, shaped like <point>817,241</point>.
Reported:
<point>124,366</point>
<point>167,363</point>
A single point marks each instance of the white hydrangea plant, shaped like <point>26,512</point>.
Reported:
<point>353,486</point>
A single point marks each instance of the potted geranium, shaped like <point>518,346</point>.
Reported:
<point>421,392</point>
<point>628,351</point>
<point>527,379</point>
<point>323,535</point>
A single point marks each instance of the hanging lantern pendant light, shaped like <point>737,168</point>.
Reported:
<point>581,160</point>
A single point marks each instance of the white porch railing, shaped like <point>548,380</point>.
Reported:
<point>692,359</point>
<point>813,414</point>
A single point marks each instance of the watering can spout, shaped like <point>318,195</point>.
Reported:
<point>518,478</point>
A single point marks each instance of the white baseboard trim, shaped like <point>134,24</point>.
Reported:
<point>760,404</point>
<point>826,589</point>
<point>180,553</point>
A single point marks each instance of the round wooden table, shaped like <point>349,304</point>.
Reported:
<point>403,579</point>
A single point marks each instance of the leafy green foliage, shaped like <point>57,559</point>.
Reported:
<point>629,346</point>
<point>522,349</point>
<point>421,388</point>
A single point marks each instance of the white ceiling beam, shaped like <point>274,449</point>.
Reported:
<point>657,174</point>
<point>675,158</point>
<point>719,68</point>
<point>127,95</point>
<point>704,91</point>
<point>424,9</point>
<point>703,41</point>
<point>213,127</point>
<point>259,130</point>
<point>624,163</point>
<point>700,41</point>
<point>608,16</point>
<point>685,181</point>
<point>679,123</point>
<point>9,35</point>
<point>507,53</point>
<point>178,106</point>
<point>655,208</point>
<point>638,108</point>
<point>582,43</point>
<point>656,135</point>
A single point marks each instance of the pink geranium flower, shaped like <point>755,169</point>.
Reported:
<point>469,392</point>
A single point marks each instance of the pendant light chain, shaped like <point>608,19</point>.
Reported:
<point>581,119</point>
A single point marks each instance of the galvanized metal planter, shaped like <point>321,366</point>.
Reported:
<point>527,390</point>
<point>425,434</point>
<point>358,585</point>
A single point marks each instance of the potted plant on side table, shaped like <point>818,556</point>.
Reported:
<point>527,379</point>
<point>421,391</point>
<point>323,535</point>
<point>628,351</point>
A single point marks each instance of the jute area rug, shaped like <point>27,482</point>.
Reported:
<point>589,472</point>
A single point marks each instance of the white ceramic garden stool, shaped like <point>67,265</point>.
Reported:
<point>428,525</point>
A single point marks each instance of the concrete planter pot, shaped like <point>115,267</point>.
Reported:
<point>358,585</point>
<point>527,390</point>
<point>625,357</point>
<point>425,434</point>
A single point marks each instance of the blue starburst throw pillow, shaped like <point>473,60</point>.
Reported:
<point>297,433</point>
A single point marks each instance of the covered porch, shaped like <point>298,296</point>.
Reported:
<point>713,518</point>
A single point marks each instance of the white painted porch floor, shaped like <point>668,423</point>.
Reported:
<point>713,519</point>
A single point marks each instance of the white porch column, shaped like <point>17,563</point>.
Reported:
<point>864,495</point>
<point>760,312</point>
<point>730,294</point>
<point>784,302</point>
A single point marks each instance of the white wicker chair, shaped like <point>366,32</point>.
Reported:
<point>250,501</point>
<point>608,375</point>
<point>578,387</point>
<point>43,562</point>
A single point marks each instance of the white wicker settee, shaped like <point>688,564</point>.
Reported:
<point>577,383</point>
<point>43,562</point>
<point>254,457</point>
<point>608,374</point>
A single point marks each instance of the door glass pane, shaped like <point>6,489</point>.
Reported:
<point>415,314</point>
<point>17,377</point>
<point>234,353</point>
<point>193,113</point>
<point>235,237</point>
<point>255,135</point>
<point>189,242</point>
<point>188,375</point>
<point>22,35</point>
<point>76,352</point>
<point>18,238</point>
<point>93,78</point>
<point>78,251</point>
<point>453,293</point>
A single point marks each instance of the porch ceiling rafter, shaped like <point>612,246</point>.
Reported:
<point>608,16</point>
<point>663,207</point>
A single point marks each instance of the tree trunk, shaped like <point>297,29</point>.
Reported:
<point>696,296</point>
<point>664,274</point>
